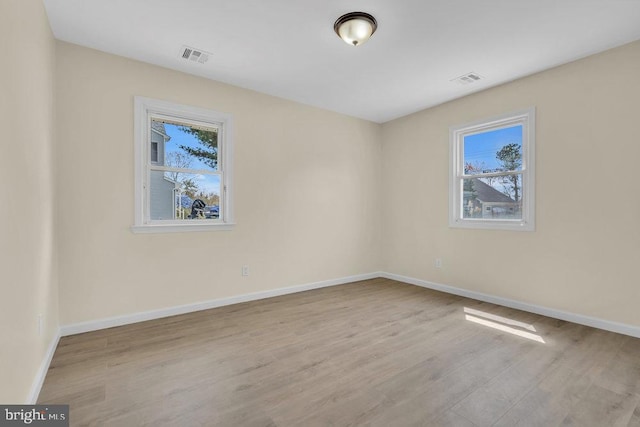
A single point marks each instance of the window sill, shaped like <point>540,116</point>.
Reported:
<point>492,225</point>
<point>180,228</point>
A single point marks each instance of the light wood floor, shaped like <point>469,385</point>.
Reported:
<point>374,353</point>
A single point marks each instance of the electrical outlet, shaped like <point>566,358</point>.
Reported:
<point>245,270</point>
<point>438,262</point>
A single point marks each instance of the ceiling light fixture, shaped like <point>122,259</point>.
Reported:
<point>355,28</point>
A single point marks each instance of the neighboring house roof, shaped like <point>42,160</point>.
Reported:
<point>159,127</point>
<point>174,182</point>
<point>486,193</point>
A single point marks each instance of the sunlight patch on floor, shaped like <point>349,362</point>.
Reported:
<point>502,324</point>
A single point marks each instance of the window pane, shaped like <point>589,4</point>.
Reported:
<point>497,150</point>
<point>175,195</point>
<point>492,198</point>
<point>184,146</point>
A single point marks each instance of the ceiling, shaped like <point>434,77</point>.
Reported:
<point>288,48</point>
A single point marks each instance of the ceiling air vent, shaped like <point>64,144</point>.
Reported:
<point>468,78</point>
<point>195,55</point>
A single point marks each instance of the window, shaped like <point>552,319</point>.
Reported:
<point>154,152</point>
<point>491,184</point>
<point>183,159</point>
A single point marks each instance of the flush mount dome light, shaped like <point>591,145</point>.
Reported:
<point>355,28</point>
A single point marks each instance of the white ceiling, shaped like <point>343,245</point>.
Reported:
<point>287,48</point>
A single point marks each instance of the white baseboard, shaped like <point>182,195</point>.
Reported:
<point>111,322</point>
<point>94,325</point>
<point>42,371</point>
<point>594,322</point>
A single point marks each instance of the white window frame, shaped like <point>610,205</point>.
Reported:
<point>144,110</point>
<point>526,118</point>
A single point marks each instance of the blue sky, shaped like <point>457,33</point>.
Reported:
<point>208,183</point>
<point>482,147</point>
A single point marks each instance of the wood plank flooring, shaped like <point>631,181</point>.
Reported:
<point>376,353</point>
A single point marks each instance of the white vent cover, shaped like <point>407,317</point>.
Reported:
<point>195,55</point>
<point>468,78</point>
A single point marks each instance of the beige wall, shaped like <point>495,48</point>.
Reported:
<point>307,196</point>
<point>27,233</point>
<point>584,255</point>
